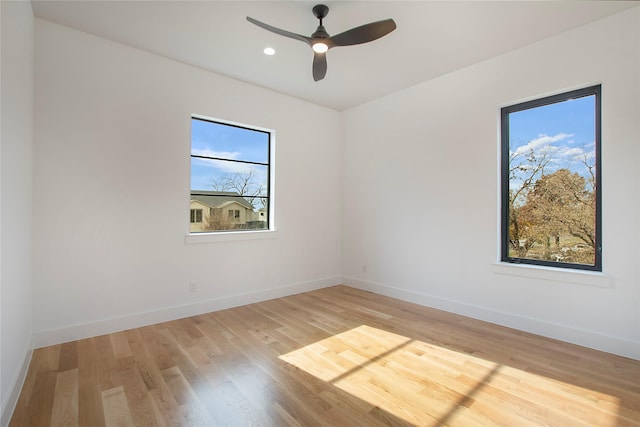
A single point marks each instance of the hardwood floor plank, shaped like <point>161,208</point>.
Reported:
<point>65,401</point>
<point>332,357</point>
<point>120,345</point>
<point>164,405</point>
<point>140,406</point>
<point>68,358</point>
<point>41,399</point>
<point>116,408</point>
<point>153,346</point>
<point>90,409</point>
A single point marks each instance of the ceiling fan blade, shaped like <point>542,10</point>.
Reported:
<point>364,33</point>
<point>319,65</point>
<point>280,31</point>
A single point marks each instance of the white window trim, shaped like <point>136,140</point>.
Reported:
<point>230,236</point>
<point>560,275</point>
<point>576,277</point>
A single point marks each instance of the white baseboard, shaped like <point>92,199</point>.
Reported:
<point>594,340</point>
<point>107,326</point>
<point>9,403</point>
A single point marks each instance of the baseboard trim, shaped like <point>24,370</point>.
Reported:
<point>107,326</point>
<point>9,404</point>
<point>594,340</point>
<point>597,341</point>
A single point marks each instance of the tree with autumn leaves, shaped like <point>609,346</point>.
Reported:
<point>547,209</point>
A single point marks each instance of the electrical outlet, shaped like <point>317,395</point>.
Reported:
<point>364,268</point>
<point>193,287</point>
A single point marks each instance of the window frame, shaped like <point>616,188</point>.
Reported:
<point>595,90</point>
<point>238,234</point>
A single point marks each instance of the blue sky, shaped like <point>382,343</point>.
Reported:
<point>564,131</point>
<point>229,142</point>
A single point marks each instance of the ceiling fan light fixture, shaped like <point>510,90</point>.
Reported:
<point>320,47</point>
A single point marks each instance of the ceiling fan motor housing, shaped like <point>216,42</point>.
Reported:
<point>320,33</point>
<point>320,11</point>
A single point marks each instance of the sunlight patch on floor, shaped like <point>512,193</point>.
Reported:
<point>426,384</point>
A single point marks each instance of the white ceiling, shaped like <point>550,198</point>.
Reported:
<point>433,37</point>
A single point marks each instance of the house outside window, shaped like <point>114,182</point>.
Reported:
<point>550,181</point>
<point>230,176</point>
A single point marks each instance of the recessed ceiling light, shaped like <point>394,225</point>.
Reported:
<point>269,51</point>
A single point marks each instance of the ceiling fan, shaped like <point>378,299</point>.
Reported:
<point>320,41</point>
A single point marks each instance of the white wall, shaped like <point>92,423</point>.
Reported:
<point>16,142</point>
<point>434,149</point>
<point>111,181</point>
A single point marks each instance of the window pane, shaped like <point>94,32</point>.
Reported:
<point>550,171</point>
<point>220,175</point>
<point>228,142</point>
<point>230,212</point>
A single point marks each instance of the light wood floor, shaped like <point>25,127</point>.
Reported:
<point>333,357</point>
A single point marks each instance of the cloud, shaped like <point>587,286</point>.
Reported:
<point>571,152</point>
<point>542,138</point>
<point>542,143</point>
<point>575,154</point>
<point>211,153</point>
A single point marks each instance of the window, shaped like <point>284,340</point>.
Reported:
<point>230,172</point>
<point>196,215</point>
<point>551,192</point>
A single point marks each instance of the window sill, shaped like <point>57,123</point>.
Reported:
<point>579,277</point>
<point>230,236</point>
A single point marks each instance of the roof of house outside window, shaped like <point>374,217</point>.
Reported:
<point>216,199</point>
